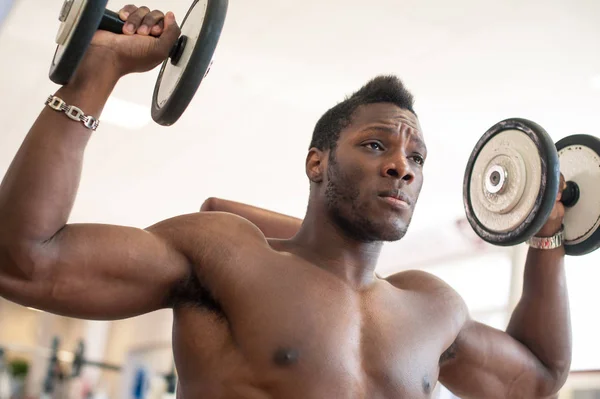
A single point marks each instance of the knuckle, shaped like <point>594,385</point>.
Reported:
<point>135,17</point>
<point>153,18</point>
<point>138,15</point>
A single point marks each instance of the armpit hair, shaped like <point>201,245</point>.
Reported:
<point>191,292</point>
<point>449,354</point>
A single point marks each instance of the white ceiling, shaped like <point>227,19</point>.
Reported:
<point>280,64</point>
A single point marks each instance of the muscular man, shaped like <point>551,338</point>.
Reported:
<point>256,317</point>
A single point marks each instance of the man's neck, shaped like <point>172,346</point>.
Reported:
<point>325,244</point>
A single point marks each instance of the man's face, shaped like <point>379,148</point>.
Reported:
<point>375,174</point>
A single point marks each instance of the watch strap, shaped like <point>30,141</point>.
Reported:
<point>556,241</point>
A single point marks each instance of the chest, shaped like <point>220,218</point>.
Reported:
<point>380,343</point>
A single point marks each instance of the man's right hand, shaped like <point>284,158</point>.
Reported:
<point>147,39</point>
<point>87,270</point>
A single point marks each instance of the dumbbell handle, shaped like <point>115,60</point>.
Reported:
<point>570,195</point>
<point>102,365</point>
<point>111,22</point>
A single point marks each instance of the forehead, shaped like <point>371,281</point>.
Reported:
<point>385,114</point>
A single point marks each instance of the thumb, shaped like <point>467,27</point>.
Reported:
<point>170,35</point>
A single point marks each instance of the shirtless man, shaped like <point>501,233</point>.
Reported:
<point>256,317</point>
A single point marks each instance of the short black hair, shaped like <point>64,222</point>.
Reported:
<point>381,89</point>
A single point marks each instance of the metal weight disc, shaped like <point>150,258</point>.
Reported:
<point>181,74</point>
<point>511,182</point>
<point>579,157</point>
<point>79,22</point>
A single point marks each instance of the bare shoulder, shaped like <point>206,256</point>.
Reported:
<point>438,297</point>
<point>215,245</point>
<point>418,280</point>
<point>195,233</point>
<point>431,287</point>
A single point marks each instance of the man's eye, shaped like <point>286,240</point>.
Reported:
<point>375,146</point>
<point>419,159</point>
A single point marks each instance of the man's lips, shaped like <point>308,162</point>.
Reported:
<point>397,199</point>
<point>396,203</point>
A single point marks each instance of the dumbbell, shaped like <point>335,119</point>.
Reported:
<point>51,373</point>
<point>180,75</point>
<point>512,179</point>
<point>79,361</point>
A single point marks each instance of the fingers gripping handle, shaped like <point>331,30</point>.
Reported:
<point>111,22</point>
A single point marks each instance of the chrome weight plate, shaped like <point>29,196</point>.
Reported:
<point>181,74</point>
<point>510,182</point>
<point>69,16</point>
<point>579,157</point>
<point>499,179</point>
<point>79,22</point>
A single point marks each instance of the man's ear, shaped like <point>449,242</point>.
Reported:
<point>316,165</point>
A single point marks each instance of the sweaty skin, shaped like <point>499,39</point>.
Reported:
<point>273,309</point>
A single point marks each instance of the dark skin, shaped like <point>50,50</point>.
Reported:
<point>298,315</point>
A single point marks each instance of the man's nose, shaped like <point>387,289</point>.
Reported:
<point>399,168</point>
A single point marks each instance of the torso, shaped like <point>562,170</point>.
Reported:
<point>282,327</point>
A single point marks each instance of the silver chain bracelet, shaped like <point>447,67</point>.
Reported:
<point>72,112</point>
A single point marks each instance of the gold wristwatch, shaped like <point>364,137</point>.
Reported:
<point>555,241</point>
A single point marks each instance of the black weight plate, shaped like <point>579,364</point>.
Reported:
<point>579,157</point>
<point>68,55</point>
<point>177,84</point>
<point>537,179</point>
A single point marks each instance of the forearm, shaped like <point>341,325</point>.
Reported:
<point>541,320</point>
<point>39,188</point>
<point>272,224</point>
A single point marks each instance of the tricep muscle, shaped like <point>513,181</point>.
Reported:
<point>489,363</point>
<point>108,272</point>
<point>100,272</point>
